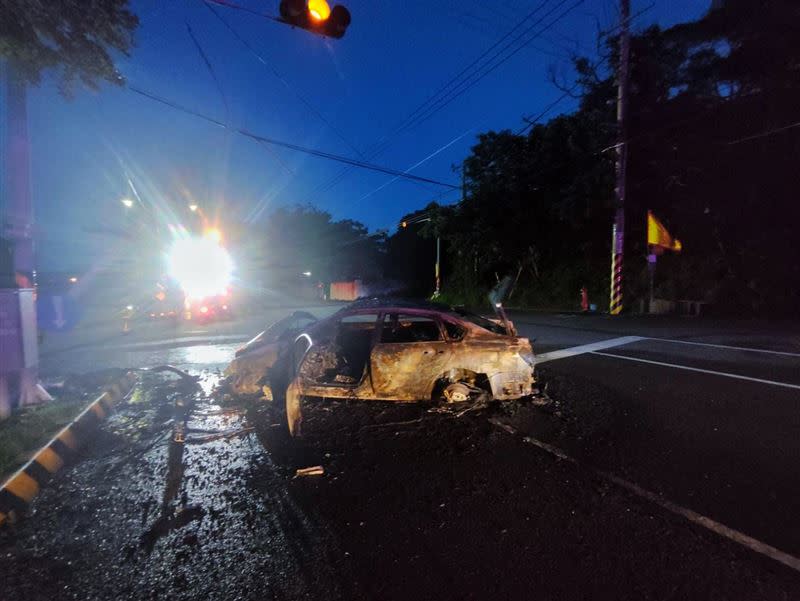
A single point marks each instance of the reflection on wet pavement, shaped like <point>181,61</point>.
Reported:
<point>199,357</point>
<point>145,516</point>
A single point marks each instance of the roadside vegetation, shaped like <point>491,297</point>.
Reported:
<point>29,428</point>
<point>711,151</point>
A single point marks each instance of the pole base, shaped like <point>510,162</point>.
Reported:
<point>30,391</point>
<point>5,398</point>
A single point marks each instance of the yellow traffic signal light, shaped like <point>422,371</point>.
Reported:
<point>316,16</point>
<point>319,10</point>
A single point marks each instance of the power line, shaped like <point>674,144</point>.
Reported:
<point>417,164</point>
<point>764,134</point>
<point>206,60</point>
<point>566,93</point>
<point>444,89</point>
<point>239,7</point>
<point>280,78</point>
<point>289,145</point>
<point>425,107</point>
<point>466,85</point>
<point>210,70</point>
<point>459,90</point>
<point>549,107</point>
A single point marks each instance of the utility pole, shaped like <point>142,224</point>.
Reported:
<point>18,340</point>
<point>618,231</point>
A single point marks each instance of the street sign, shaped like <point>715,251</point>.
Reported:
<point>57,313</point>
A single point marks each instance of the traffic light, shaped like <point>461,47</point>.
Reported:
<point>316,16</point>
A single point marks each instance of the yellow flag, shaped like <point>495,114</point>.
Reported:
<point>657,235</point>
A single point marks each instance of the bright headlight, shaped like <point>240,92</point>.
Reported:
<point>200,265</point>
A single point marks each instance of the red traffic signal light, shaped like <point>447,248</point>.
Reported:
<point>316,16</point>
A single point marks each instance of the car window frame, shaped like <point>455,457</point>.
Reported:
<point>463,327</point>
<point>432,316</point>
<point>378,323</point>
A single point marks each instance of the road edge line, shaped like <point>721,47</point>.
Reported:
<point>19,489</point>
<point>699,370</point>
<point>692,516</point>
<point>746,349</point>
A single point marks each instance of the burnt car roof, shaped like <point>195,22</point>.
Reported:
<point>383,302</point>
<point>391,302</point>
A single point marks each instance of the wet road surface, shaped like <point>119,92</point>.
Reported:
<point>686,411</point>
<point>428,505</point>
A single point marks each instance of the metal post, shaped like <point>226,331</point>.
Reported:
<point>616,304</point>
<point>651,271</point>
<point>438,266</point>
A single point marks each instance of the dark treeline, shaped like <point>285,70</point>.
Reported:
<point>711,152</point>
<point>714,152</point>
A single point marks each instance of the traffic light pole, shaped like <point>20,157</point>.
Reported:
<point>618,232</point>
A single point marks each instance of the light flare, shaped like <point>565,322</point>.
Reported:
<point>200,266</point>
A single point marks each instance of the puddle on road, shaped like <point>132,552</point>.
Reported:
<point>204,355</point>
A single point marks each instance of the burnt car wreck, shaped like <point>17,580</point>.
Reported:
<point>386,350</point>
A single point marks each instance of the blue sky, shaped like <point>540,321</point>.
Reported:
<point>393,58</point>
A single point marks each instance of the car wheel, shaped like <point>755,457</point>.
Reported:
<point>294,413</point>
<point>457,392</point>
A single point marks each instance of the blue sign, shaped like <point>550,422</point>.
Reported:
<point>57,313</point>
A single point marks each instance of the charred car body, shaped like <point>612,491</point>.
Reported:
<point>388,350</point>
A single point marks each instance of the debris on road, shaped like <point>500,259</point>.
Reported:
<point>316,470</point>
<point>219,435</point>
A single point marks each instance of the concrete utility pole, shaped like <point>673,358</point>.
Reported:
<point>618,231</point>
<point>18,340</point>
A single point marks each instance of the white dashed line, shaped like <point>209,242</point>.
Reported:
<point>694,517</point>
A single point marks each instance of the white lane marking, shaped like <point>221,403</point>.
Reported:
<point>586,348</point>
<point>702,371</point>
<point>694,517</point>
<point>725,346</point>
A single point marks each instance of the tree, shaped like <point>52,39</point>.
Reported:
<point>305,239</point>
<point>76,38</point>
<point>411,253</point>
<point>712,150</point>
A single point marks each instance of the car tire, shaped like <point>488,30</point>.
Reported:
<point>294,410</point>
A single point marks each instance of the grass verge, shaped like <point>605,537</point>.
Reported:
<point>27,430</point>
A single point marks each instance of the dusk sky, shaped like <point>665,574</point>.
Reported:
<point>394,56</point>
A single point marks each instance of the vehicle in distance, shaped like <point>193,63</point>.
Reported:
<point>388,350</point>
<point>208,308</point>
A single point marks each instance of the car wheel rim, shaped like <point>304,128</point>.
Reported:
<point>457,393</point>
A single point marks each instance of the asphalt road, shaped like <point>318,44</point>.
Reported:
<point>430,505</point>
<point>102,342</point>
<point>705,413</point>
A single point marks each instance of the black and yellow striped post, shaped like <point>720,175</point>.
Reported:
<point>17,492</point>
<point>617,241</point>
